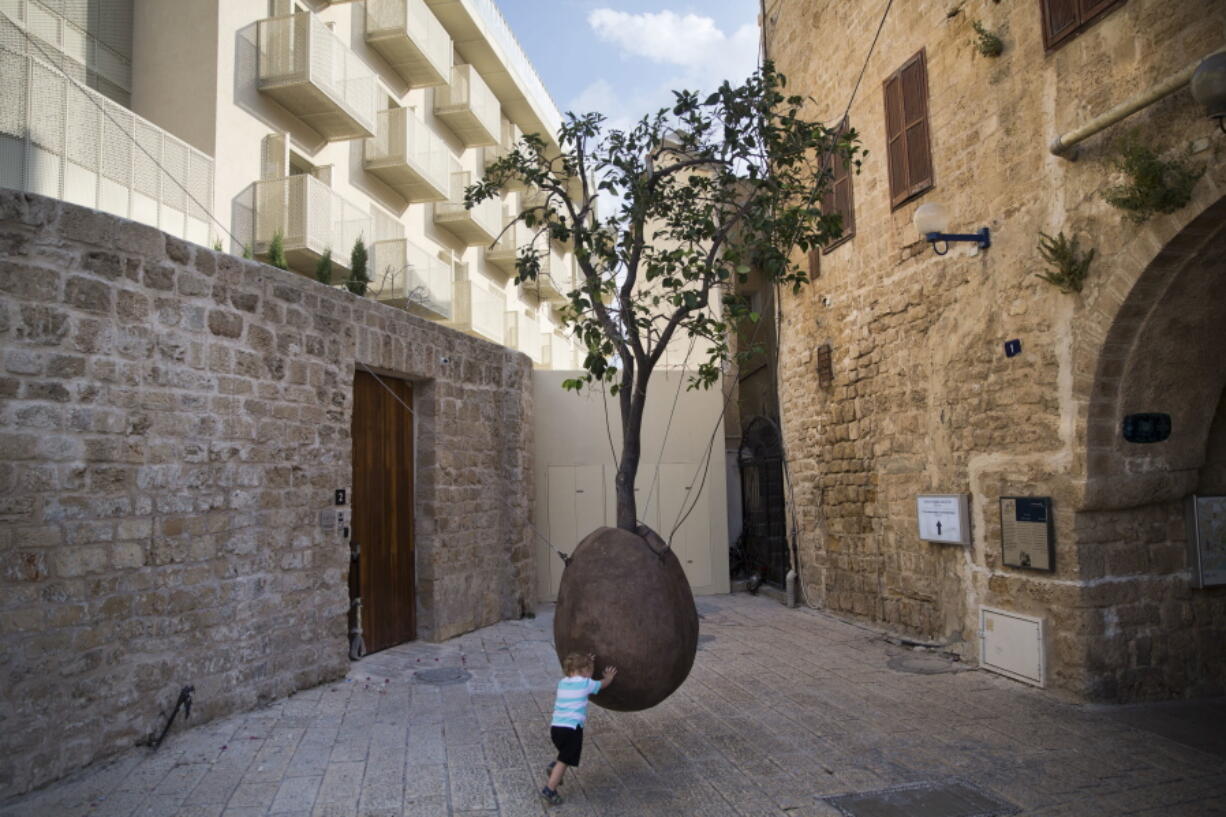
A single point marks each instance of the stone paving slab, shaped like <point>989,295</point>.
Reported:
<point>783,709</point>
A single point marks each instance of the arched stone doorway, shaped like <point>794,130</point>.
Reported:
<point>1149,634</point>
<point>764,532</point>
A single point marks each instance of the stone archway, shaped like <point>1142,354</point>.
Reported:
<point>1163,352</point>
<point>1147,633</point>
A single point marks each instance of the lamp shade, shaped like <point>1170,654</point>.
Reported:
<point>1209,84</point>
<point>931,218</point>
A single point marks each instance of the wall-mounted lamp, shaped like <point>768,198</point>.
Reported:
<point>932,220</point>
<point>1209,87</point>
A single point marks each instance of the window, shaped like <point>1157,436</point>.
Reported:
<point>908,153</point>
<point>837,198</point>
<point>1065,19</point>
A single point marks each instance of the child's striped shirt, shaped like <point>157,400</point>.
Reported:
<point>570,706</point>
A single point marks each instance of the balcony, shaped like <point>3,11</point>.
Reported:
<point>409,277</point>
<point>310,71</point>
<point>60,140</point>
<point>524,333</point>
<point>479,312</point>
<point>557,276</point>
<point>504,253</point>
<point>412,40</point>
<point>409,157</point>
<point>511,134</point>
<point>469,107</point>
<point>557,352</point>
<point>311,218</point>
<point>480,225</point>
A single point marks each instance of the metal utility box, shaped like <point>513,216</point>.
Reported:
<point>1012,644</point>
<point>1207,540</point>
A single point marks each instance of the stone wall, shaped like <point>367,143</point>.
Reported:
<point>924,399</point>
<point>172,422</point>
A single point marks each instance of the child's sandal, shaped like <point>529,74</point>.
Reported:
<point>551,797</point>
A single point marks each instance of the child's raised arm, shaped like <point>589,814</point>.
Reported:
<point>609,674</point>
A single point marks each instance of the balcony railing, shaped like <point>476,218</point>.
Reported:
<point>505,252</point>
<point>524,333</point>
<point>469,107</point>
<point>557,276</point>
<point>411,39</point>
<point>557,352</point>
<point>314,75</point>
<point>479,311</point>
<point>510,136</point>
<point>408,276</point>
<point>480,225</point>
<point>66,141</point>
<point>408,157</point>
<point>311,218</point>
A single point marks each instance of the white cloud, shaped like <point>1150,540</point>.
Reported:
<point>694,53</point>
<point>665,36</point>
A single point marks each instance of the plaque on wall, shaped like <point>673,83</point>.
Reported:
<point>1207,540</point>
<point>1025,532</point>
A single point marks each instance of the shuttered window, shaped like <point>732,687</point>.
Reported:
<point>906,125</point>
<point>838,198</point>
<point>1065,19</point>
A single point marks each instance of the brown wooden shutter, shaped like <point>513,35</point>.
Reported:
<point>815,263</point>
<point>838,197</point>
<point>909,153</point>
<point>1060,20</point>
<point>914,81</point>
<point>896,144</point>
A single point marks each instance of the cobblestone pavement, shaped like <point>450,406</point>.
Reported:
<point>784,707</point>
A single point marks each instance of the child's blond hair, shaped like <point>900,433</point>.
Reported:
<point>575,663</point>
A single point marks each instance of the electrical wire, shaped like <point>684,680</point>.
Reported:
<point>89,94</point>
<point>867,56</point>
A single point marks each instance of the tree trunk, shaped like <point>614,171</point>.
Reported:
<point>632,431</point>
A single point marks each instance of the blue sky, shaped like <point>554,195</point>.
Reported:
<point>622,57</point>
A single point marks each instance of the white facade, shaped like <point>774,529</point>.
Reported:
<point>321,121</point>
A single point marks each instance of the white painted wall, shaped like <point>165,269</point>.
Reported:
<point>575,470</point>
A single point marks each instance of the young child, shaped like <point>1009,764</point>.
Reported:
<point>569,715</point>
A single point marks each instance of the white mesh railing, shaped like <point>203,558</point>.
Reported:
<point>69,142</point>
<point>415,20</point>
<point>310,216</point>
<point>518,62</point>
<point>405,271</point>
<point>511,134</point>
<point>468,91</point>
<point>487,214</point>
<point>557,352</point>
<point>524,333</point>
<point>300,48</point>
<point>88,40</point>
<point>482,311</point>
<point>402,137</point>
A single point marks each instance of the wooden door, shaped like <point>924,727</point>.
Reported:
<point>383,508</point>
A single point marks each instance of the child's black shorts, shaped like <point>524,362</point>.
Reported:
<point>569,742</point>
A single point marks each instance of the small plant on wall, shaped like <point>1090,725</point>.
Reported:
<point>323,267</point>
<point>1154,185</point>
<point>358,277</point>
<point>987,43</point>
<point>276,251</point>
<point>1067,264</point>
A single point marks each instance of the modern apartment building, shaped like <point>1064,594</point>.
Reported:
<point>232,121</point>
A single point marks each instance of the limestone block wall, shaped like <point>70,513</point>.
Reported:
<point>172,422</point>
<point>924,399</point>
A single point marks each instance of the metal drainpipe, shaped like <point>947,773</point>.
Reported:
<point>1063,144</point>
